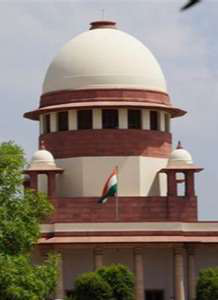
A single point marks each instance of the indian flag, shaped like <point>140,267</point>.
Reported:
<point>110,187</point>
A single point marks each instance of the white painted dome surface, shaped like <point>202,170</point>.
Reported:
<point>104,58</point>
<point>42,158</point>
<point>179,157</point>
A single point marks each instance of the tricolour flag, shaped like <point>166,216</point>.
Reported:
<point>110,187</point>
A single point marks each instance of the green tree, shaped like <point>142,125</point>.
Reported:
<point>92,287</point>
<point>21,212</point>
<point>120,279</point>
<point>207,284</point>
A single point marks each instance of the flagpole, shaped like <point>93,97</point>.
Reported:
<point>117,199</point>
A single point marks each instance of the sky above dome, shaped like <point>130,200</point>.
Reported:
<point>185,44</point>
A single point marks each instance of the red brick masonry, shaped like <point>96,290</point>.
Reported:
<point>131,209</point>
<point>108,142</point>
<point>63,97</point>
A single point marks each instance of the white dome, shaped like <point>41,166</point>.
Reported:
<point>179,157</point>
<point>42,158</point>
<point>104,58</point>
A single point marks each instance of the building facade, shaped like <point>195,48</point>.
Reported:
<point>105,104</point>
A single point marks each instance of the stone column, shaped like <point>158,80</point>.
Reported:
<point>97,118</point>
<point>123,118</point>
<point>171,184</point>
<point>145,119</point>
<point>34,181</point>
<point>139,273</point>
<point>59,291</point>
<point>72,120</point>
<point>162,121</point>
<point>191,273</point>
<point>167,122</point>
<point>98,258</point>
<point>51,184</point>
<point>189,184</point>
<point>41,124</point>
<point>179,274</point>
<point>53,121</point>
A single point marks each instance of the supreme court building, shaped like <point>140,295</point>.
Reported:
<point>105,103</point>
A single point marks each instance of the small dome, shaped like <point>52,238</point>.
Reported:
<point>180,157</point>
<point>41,159</point>
<point>104,57</point>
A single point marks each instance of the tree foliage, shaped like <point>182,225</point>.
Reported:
<point>113,282</point>
<point>207,285</point>
<point>120,279</point>
<point>20,215</point>
<point>91,286</point>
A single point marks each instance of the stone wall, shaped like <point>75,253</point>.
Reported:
<point>131,209</point>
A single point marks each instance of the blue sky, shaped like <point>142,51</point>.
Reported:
<point>185,44</point>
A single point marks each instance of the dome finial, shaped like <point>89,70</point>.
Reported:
<point>102,12</point>
<point>179,145</point>
<point>42,145</point>
<point>102,24</point>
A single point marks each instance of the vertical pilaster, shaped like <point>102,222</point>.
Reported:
<point>189,184</point>
<point>139,273</point>
<point>53,121</point>
<point>123,118</point>
<point>171,184</point>
<point>167,122</point>
<point>162,121</point>
<point>41,124</point>
<point>26,181</point>
<point>72,119</point>
<point>179,274</point>
<point>59,291</point>
<point>34,181</point>
<point>51,184</point>
<point>98,258</point>
<point>145,119</point>
<point>97,118</point>
<point>191,273</point>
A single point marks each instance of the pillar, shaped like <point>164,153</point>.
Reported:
<point>167,122</point>
<point>162,121</point>
<point>123,118</point>
<point>179,274</point>
<point>145,119</point>
<point>72,120</point>
<point>59,291</point>
<point>53,121</point>
<point>191,273</point>
<point>41,124</point>
<point>51,184</point>
<point>34,181</point>
<point>97,118</point>
<point>171,184</point>
<point>189,184</point>
<point>98,258</point>
<point>26,181</point>
<point>139,273</point>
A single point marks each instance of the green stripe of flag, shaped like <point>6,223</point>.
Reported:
<point>111,193</point>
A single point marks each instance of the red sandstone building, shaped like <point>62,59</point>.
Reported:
<point>104,104</point>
